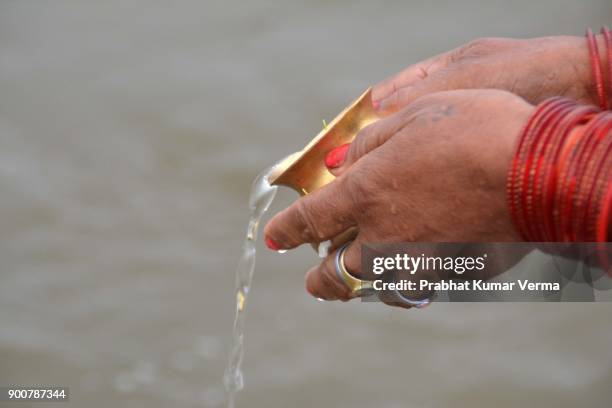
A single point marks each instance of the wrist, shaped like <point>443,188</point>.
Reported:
<point>520,119</point>
<point>576,68</point>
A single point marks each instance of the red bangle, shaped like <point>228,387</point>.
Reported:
<point>604,228</point>
<point>607,35</point>
<point>553,162</point>
<point>559,181</point>
<point>603,225</point>
<point>596,194</point>
<point>522,167</point>
<point>596,68</point>
<point>527,163</point>
<point>543,166</point>
<point>583,179</point>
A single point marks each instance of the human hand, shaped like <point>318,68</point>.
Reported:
<point>534,69</point>
<point>434,171</point>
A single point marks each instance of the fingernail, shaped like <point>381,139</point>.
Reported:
<point>376,105</point>
<point>272,245</point>
<point>336,157</point>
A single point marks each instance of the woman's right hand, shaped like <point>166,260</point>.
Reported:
<point>437,174</point>
<point>534,69</point>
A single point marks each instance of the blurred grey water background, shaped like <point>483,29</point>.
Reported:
<point>129,135</point>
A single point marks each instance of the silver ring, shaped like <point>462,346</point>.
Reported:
<point>419,304</point>
<point>358,287</point>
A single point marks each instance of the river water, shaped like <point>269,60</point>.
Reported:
<point>130,133</point>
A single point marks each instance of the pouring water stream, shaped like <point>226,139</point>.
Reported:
<point>261,196</point>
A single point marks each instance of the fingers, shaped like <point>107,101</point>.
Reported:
<point>408,77</point>
<point>443,80</point>
<point>316,217</point>
<point>378,133</point>
<point>467,61</point>
<point>323,282</point>
<point>368,139</point>
<point>424,78</point>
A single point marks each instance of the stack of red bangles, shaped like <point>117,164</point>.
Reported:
<point>560,182</point>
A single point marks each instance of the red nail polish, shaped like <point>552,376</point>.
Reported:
<point>272,245</point>
<point>336,157</point>
<point>376,105</point>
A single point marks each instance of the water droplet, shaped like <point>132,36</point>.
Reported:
<point>281,251</point>
<point>240,299</point>
<point>252,230</point>
<point>324,248</point>
<point>233,381</point>
<point>321,299</point>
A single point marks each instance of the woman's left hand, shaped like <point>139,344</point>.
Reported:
<point>434,171</point>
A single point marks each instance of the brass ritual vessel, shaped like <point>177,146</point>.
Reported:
<point>305,171</point>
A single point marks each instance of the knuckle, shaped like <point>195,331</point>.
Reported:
<point>419,107</point>
<point>480,44</point>
<point>306,219</point>
<point>355,149</point>
<point>359,146</point>
<point>358,189</point>
<point>392,102</point>
<point>352,186</point>
<point>477,48</point>
<point>427,101</point>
